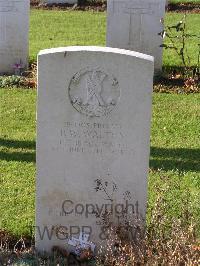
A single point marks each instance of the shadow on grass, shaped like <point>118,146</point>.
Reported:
<point>18,156</point>
<point>182,159</point>
<point>22,156</point>
<point>17,144</point>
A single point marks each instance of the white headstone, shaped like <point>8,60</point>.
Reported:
<point>14,27</point>
<point>93,132</point>
<point>135,25</point>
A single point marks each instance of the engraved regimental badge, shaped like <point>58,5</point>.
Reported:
<point>94,92</point>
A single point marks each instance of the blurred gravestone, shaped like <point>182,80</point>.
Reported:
<point>14,28</point>
<point>135,25</point>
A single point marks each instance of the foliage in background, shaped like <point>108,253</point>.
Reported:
<point>65,28</point>
<point>27,79</point>
<point>82,2</point>
<point>178,40</point>
<point>184,1</point>
<point>10,81</point>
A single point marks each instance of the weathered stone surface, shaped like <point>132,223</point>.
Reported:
<point>93,131</point>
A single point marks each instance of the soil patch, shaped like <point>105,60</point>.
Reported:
<point>101,7</point>
<point>9,241</point>
<point>98,7</point>
<point>184,8</point>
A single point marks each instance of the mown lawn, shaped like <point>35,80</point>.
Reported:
<point>184,1</point>
<point>174,158</point>
<point>62,28</point>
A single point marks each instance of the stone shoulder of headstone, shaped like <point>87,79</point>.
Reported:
<point>93,142</point>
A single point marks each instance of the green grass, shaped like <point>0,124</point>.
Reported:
<point>17,177</point>
<point>64,28</point>
<point>184,1</point>
<point>175,149</point>
<point>174,154</point>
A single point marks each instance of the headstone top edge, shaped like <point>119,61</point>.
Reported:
<point>95,49</point>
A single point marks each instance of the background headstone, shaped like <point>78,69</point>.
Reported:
<point>93,132</point>
<point>14,28</point>
<point>135,25</point>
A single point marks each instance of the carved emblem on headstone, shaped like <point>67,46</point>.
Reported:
<point>94,92</point>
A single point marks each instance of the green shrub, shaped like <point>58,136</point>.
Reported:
<point>10,81</point>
